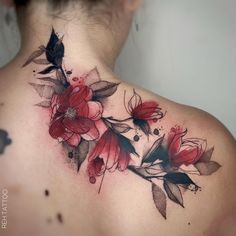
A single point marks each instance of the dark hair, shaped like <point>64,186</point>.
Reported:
<point>56,3</point>
<point>102,9</point>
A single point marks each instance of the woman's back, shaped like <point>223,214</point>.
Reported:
<point>83,153</point>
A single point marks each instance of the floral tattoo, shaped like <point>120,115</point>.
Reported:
<point>77,107</point>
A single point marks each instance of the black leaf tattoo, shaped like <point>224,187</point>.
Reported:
<point>103,89</point>
<point>45,91</point>
<point>182,179</point>
<point>207,155</point>
<point>117,127</point>
<point>155,152</point>
<point>78,153</point>
<point>173,192</point>
<point>51,80</point>
<point>178,178</point>
<point>55,49</point>
<point>207,168</point>
<point>159,199</point>
<point>45,104</point>
<point>48,70</point>
<point>92,76</point>
<point>34,55</point>
<point>41,61</point>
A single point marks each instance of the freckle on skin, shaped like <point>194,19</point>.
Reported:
<point>46,192</point>
<point>59,218</point>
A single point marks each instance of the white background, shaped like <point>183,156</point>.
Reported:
<point>184,50</point>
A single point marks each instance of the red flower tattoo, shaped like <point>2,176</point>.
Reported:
<point>184,151</point>
<point>112,151</point>
<point>75,115</point>
<point>143,112</point>
<point>76,102</point>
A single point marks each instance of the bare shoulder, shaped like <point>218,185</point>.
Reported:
<point>214,129</point>
<point>221,186</point>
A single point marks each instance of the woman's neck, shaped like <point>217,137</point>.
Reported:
<point>87,43</point>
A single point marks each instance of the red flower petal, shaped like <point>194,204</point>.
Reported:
<point>79,94</point>
<point>145,111</point>
<point>82,109</point>
<point>63,99</point>
<point>95,166</point>
<point>78,125</point>
<point>56,128</point>
<point>98,148</point>
<point>175,140</point>
<point>111,151</point>
<point>193,142</point>
<point>74,140</point>
<point>92,133</point>
<point>95,110</point>
<point>124,159</point>
<point>187,156</point>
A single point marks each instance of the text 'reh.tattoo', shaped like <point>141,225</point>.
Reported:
<point>77,106</point>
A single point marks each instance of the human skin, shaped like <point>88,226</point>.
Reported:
<point>34,161</point>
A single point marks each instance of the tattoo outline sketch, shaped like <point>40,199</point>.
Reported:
<point>76,106</point>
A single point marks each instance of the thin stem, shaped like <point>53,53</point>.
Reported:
<point>160,172</point>
<point>132,169</point>
<point>108,156</point>
<point>117,120</point>
<point>192,172</point>
<point>155,177</point>
<point>100,186</point>
<point>148,178</point>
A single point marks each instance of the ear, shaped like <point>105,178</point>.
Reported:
<point>131,5</point>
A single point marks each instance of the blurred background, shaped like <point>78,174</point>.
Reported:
<point>184,50</point>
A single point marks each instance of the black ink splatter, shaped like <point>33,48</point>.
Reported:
<point>70,155</point>
<point>156,131</point>
<point>69,72</point>
<point>136,138</point>
<point>46,192</point>
<point>59,218</point>
<point>4,140</point>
